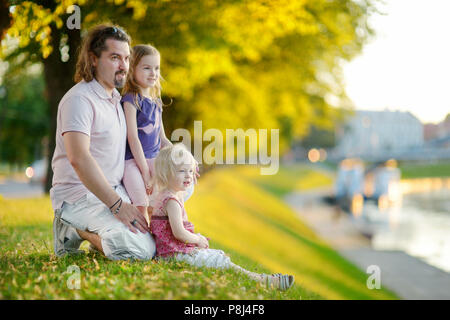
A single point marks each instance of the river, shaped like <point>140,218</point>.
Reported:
<point>420,226</point>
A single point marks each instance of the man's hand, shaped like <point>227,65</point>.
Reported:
<point>129,213</point>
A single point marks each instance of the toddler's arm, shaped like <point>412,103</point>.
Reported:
<point>176,223</point>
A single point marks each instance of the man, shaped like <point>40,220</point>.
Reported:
<point>88,163</point>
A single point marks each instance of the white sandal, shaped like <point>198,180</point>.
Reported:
<point>285,281</point>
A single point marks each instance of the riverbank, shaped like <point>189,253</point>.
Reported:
<point>412,170</point>
<point>424,184</point>
<point>409,277</point>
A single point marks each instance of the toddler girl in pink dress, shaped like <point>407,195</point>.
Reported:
<point>174,235</point>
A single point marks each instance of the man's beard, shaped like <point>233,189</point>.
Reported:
<point>120,83</point>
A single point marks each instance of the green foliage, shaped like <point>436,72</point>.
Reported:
<point>23,118</point>
<point>232,64</point>
<point>318,138</point>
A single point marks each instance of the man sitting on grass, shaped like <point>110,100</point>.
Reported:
<point>88,163</point>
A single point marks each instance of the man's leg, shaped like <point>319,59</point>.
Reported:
<point>65,237</point>
<point>117,241</point>
<point>93,238</point>
<point>68,228</point>
<point>91,220</point>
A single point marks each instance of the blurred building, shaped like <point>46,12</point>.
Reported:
<point>378,135</point>
<point>437,131</point>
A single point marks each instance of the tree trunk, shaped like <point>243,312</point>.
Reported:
<point>5,18</point>
<point>59,79</point>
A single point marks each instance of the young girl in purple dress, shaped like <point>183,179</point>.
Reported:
<point>142,105</point>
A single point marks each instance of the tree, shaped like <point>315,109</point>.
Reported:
<point>231,64</point>
<point>319,138</point>
<point>23,120</point>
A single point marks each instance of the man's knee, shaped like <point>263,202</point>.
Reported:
<point>123,244</point>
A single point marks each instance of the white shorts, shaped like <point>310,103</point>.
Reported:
<point>211,258</point>
<point>118,242</point>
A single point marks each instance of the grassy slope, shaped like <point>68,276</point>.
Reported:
<point>252,225</point>
<point>30,270</point>
<point>411,170</point>
<point>258,225</point>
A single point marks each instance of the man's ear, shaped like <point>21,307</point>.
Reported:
<point>93,58</point>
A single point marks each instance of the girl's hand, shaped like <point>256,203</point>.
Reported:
<point>147,182</point>
<point>202,242</point>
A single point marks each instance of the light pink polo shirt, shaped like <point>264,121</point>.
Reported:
<point>87,108</point>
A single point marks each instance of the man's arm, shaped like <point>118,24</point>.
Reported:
<point>77,148</point>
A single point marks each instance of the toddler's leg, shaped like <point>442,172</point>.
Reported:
<point>217,259</point>
<point>210,258</point>
<point>259,277</point>
<point>277,281</point>
<point>252,275</point>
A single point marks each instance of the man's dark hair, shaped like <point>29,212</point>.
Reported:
<point>95,42</point>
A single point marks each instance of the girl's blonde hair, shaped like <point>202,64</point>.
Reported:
<point>166,163</point>
<point>131,85</point>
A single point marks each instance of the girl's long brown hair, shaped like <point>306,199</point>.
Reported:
<point>131,85</point>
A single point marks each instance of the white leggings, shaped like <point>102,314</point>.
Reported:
<point>213,258</point>
<point>210,258</point>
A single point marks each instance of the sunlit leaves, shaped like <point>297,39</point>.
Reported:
<point>31,22</point>
<point>253,25</point>
<point>258,63</point>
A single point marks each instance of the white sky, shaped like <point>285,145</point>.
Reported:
<point>407,66</point>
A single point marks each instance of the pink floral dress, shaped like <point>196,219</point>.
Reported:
<point>166,244</point>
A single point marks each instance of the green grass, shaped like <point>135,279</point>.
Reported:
<point>288,178</point>
<point>30,270</point>
<point>231,206</point>
<point>413,170</point>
